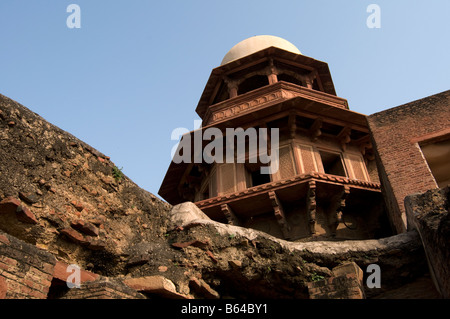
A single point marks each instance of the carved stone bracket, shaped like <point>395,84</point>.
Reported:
<point>279,214</point>
<point>230,215</point>
<point>344,137</point>
<point>315,129</point>
<point>311,206</point>
<point>366,149</point>
<point>292,125</point>
<point>336,208</point>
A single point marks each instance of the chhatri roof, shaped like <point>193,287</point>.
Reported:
<point>258,43</point>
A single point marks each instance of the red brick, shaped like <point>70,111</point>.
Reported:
<point>36,294</point>
<point>29,283</point>
<point>61,273</point>
<point>48,269</point>
<point>9,261</point>
<point>25,290</point>
<point>4,239</point>
<point>85,227</point>
<point>3,288</point>
<point>9,205</point>
<point>74,236</point>
<point>24,215</point>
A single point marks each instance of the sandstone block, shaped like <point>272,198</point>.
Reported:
<point>156,285</point>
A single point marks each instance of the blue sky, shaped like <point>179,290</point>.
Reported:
<point>135,69</point>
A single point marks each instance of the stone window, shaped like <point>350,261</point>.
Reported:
<point>332,163</point>
<point>254,177</point>
<point>437,155</point>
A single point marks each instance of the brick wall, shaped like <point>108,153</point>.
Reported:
<point>103,289</point>
<point>396,133</point>
<point>25,270</point>
<point>347,283</point>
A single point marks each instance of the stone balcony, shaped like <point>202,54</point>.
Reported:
<point>321,200</point>
<point>265,97</point>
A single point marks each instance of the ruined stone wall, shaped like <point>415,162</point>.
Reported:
<point>429,213</point>
<point>401,165</point>
<point>64,196</point>
<point>61,204</point>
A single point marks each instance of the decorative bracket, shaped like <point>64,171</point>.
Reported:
<point>336,208</point>
<point>292,125</point>
<point>279,214</point>
<point>315,129</point>
<point>366,148</point>
<point>344,137</point>
<point>230,215</point>
<point>311,206</point>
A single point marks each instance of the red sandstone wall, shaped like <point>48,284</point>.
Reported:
<point>396,133</point>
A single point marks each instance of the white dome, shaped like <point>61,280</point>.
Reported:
<point>258,43</point>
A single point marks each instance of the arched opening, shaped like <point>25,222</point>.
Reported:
<point>253,83</point>
<point>289,78</point>
<point>222,93</point>
<point>315,85</point>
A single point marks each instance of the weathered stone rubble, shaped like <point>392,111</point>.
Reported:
<point>64,200</point>
<point>252,263</point>
<point>428,213</point>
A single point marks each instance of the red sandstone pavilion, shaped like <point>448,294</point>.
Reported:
<point>327,184</point>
